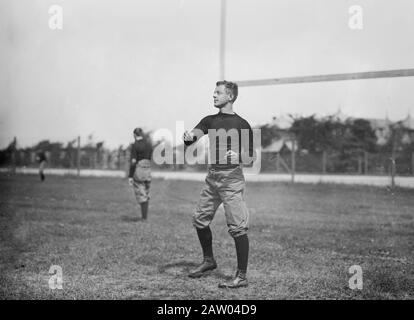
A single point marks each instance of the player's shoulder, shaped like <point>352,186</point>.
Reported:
<point>210,116</point>
<point>243,121</point>
<point>132,146</point>
<point>207,119</point>
<point>137,143</point>
<point>148,143</point>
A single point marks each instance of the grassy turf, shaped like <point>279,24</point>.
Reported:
<point>303,239</point>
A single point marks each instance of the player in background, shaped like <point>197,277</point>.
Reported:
<point>225,181</point>
<point>140,170</point>
<point>41,159</point>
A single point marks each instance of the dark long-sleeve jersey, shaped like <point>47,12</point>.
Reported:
<point>226,132</point>
<point>141,149</point>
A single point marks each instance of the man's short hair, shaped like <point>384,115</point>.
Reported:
<point>231,87</point>
<point>138,131</point>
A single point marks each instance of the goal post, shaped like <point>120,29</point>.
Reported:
<point>328,77</point>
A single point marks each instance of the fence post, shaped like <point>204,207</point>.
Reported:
<point>13,155</point>
<point>277,162</point>
<point>126,162</point>
<point>359,165</point>
<point>412,163</point>
<point>324,161</point>
<point>392,172</point>
<point>95,159</point>
<point>78,157</point>
<point>365,162</point>
<point>293,161</point>
<point>118,165</point>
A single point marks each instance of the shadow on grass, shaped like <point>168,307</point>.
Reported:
<point>132,219</point>
<point>182,268</point>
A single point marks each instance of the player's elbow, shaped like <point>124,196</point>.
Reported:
<point>248,158</point>
<point>188,143</point>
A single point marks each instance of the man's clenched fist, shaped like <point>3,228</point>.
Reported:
<point>188,136</point>
<point>232,156</point>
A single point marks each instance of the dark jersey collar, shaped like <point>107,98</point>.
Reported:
<point>226,114</point>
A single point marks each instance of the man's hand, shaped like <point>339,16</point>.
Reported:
<point>131,181</point>
<point>188,136</point>
<point>232,156</point>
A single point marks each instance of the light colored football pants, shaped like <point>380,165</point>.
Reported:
<point>142,180</point>
<point>227,187</point>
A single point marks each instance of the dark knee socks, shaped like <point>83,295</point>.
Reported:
<point>242,250</point>
<point>144,210</point>
<point>242,247</point>
<point>206,240</point>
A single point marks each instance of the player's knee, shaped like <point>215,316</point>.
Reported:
<point>196,221</point>
<point>199,221</point>
<point>237,231</point>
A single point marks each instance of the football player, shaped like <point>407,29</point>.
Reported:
<point>225,183</point>
<point>140,170</point>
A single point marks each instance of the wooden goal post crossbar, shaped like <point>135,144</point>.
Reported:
<point>329,77</point>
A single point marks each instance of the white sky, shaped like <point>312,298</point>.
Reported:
<point>121,64</point>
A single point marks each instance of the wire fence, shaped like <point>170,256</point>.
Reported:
<point>325,162</point>
<point>336,163</point>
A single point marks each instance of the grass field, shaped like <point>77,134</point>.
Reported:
<point>303,239</point>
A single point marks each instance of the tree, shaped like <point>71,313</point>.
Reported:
<point>269,133</point>
<point>361,136</point>
<point>7,154</point>
<point>307,131</point>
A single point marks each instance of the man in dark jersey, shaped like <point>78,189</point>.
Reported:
<point>140,170</point>
<point>41,159</point>
<point>231,146</point>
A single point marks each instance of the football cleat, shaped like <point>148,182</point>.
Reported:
<point>239,281</point>
<point>207,265</point>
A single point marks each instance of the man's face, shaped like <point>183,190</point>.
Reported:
<point>221,97</point>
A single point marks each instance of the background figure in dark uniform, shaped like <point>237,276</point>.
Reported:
<point>41,158</point>
<point>140,170</point>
